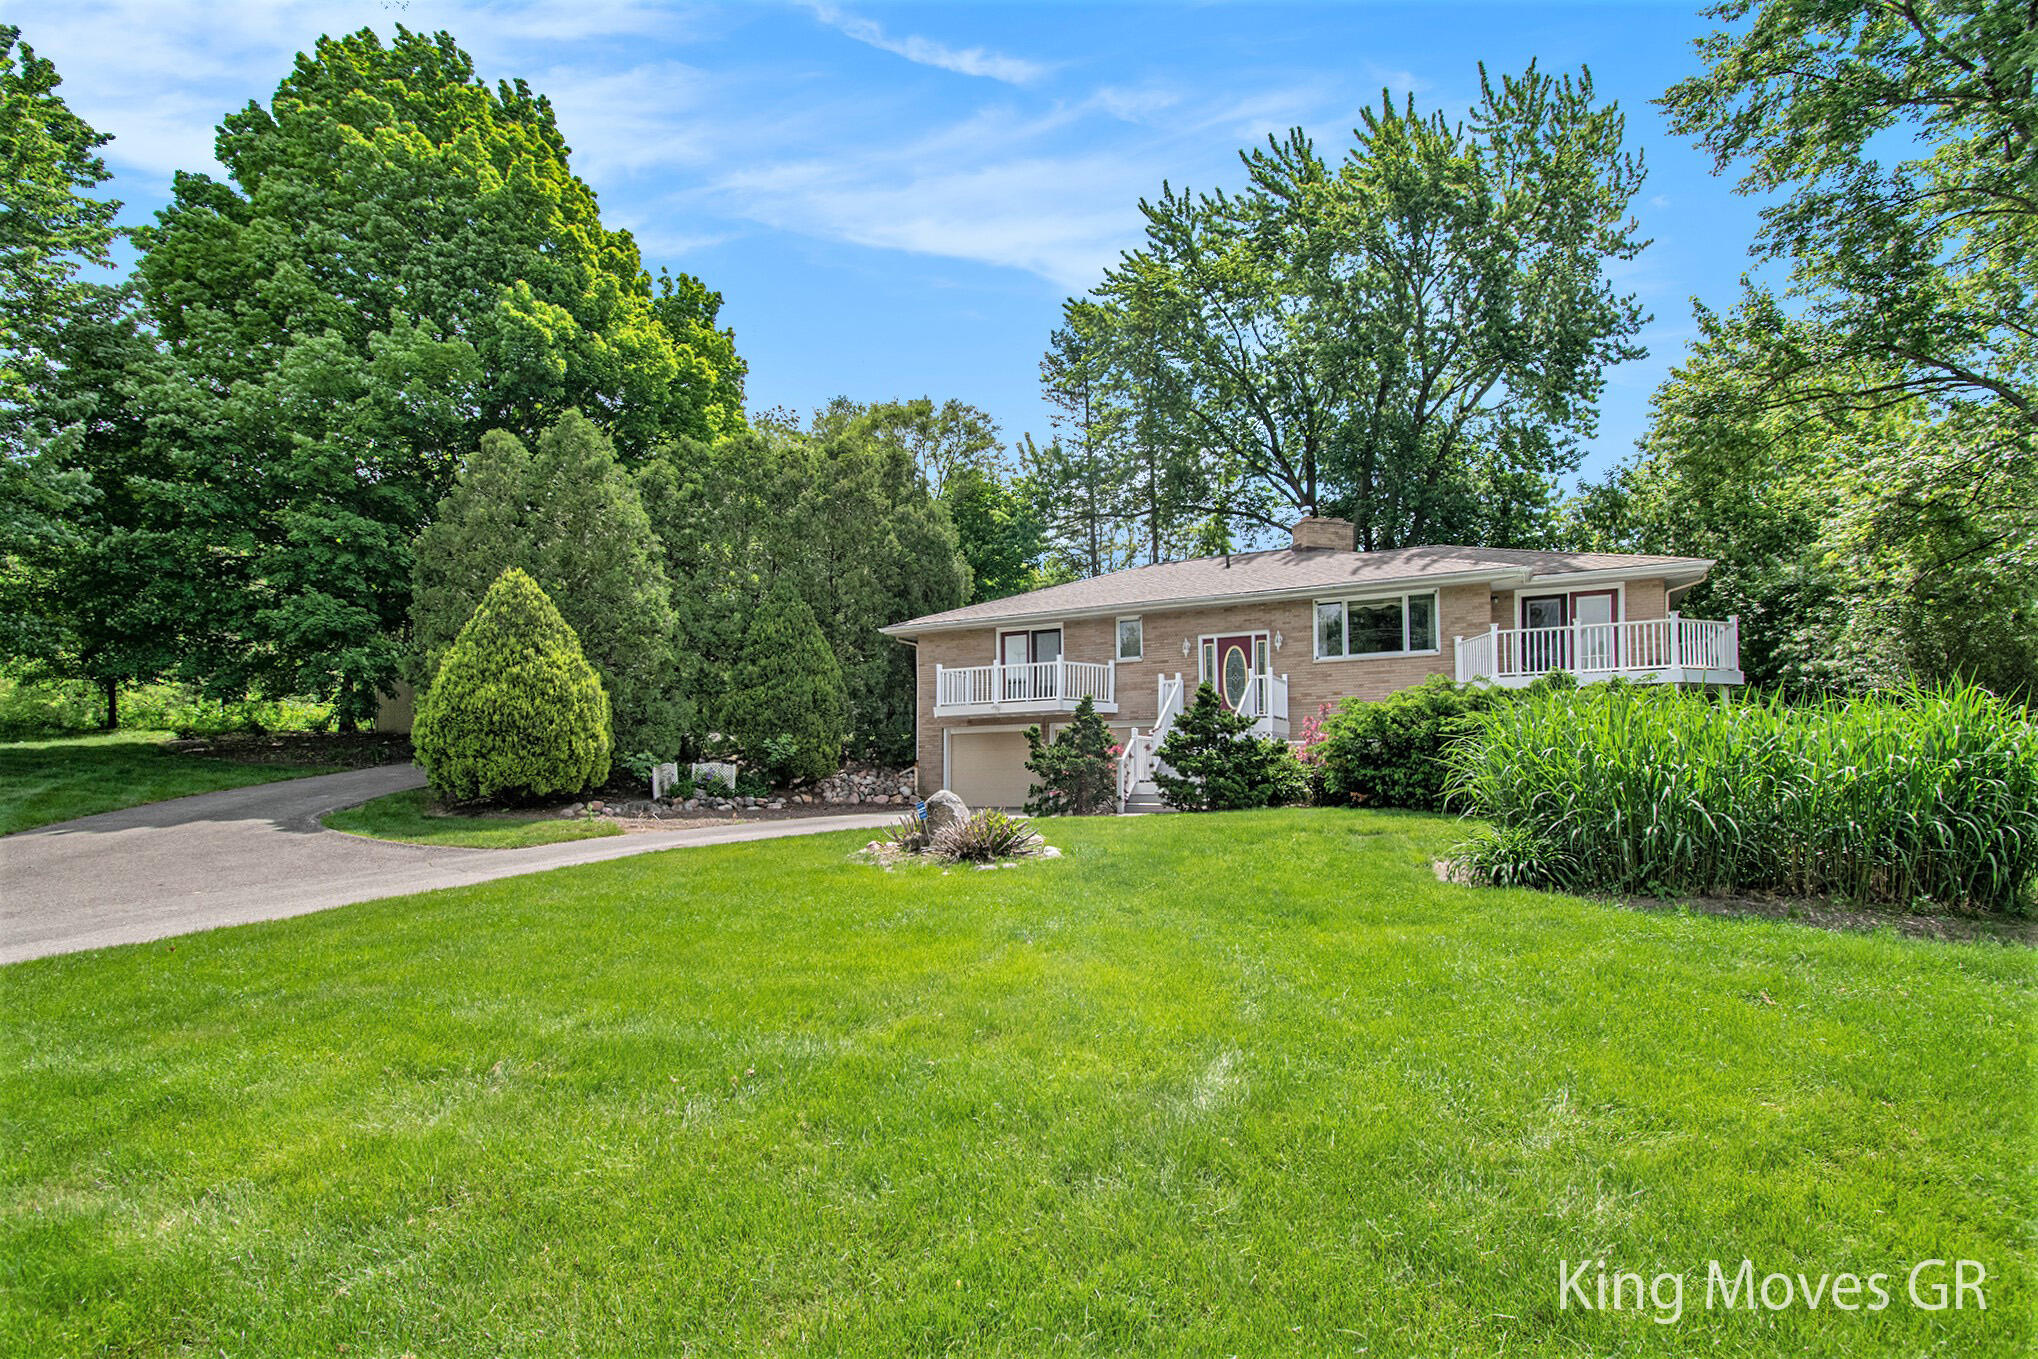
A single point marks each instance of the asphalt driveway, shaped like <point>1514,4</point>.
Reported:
<point>259,853</point>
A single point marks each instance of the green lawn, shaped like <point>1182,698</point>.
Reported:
<point>407,817</point>
<point>55,780</point>
<point>1253,1083</point>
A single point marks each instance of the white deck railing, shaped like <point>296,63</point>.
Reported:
<point>1038,685</point>
<point>1673,649</point>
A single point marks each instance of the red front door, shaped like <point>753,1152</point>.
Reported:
<point>1234,675</point>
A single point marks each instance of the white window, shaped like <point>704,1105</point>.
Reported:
<point>1131,639</point>
<point>1388,625</point>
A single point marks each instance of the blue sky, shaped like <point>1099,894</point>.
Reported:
<point>895,199</point>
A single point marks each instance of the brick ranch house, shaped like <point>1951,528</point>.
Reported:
<point>1280,633</point>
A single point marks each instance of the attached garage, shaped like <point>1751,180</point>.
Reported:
<point>988,768</point>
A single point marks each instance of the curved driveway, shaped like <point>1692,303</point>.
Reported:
<point>259,853</point>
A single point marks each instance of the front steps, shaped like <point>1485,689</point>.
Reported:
<point>1145,798</point>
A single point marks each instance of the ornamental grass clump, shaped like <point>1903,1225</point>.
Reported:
<point>1899,797</point>
<point>985,838</point>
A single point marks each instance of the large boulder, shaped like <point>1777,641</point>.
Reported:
<point>945,809</point>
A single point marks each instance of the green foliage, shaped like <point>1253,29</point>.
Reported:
<point>1391,753</point>
<point>1896,145</point>
<point>941,440</point>
<point>516,711</point>
<point>985,837</point>
<point>50,225</point>
<point>1860,453</point>
<point>998,530</point>
<point>569,516</point>
<point>54,707</point>
<point>398,261</point>
<point>1430,322</point>
<point>785,706</point>
<point>843,518</point>
<point>1863,548</point>
<point>1512,856</point>
<point>1076,774</point>
<point>1211,763</point>
<point>83,546</point>
<point>1894,797</point>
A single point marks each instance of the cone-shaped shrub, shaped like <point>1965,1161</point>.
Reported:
<point>516,712</point>
<point>786,705</point>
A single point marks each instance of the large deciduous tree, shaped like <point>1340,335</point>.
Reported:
<point>1859,447</point>
<point>1415,337</point>
<point>83,593</point>
<point>399,260</point>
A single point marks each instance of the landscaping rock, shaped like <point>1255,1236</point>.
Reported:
<point>945,809</point>
<point>570,811</point>
<point>597,806</point>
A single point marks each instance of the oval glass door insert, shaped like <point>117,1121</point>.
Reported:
<point>1237,674</point>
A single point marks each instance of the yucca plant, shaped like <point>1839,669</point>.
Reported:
<point>1925,794</point>
<point>984,838</point>
<point>908,834</point>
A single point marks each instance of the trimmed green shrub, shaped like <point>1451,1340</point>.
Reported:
<point>517,712</point>
<point>785,710</point>
<point>1390,753</point>
<point>1898,797</point>
<point>1077,770</point>
<point>1211,763</point>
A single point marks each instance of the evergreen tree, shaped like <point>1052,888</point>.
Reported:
<point>786,706</point>
<point>517,711</point>
<point>846,519</point>
<point>1077,770</point>
<point>1212,763</point>
<point>569,515</point>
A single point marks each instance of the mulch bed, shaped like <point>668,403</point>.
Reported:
<point>347,749</point>
<point>801,812</point>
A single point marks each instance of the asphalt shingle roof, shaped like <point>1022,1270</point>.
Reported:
<point>1286,570</point>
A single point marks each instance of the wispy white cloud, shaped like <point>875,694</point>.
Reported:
<point>969,61</point>
<point>160,74</point>
<point>693,141</point>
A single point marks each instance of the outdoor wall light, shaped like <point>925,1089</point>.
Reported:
<point>1185,646</point>
<point>1277,641</point>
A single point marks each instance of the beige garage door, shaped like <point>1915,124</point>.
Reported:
<point>988,768</point>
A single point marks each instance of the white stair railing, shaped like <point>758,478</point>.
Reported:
<point>1141,755</point>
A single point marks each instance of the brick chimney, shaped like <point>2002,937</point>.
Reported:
<point>1335,534</point>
